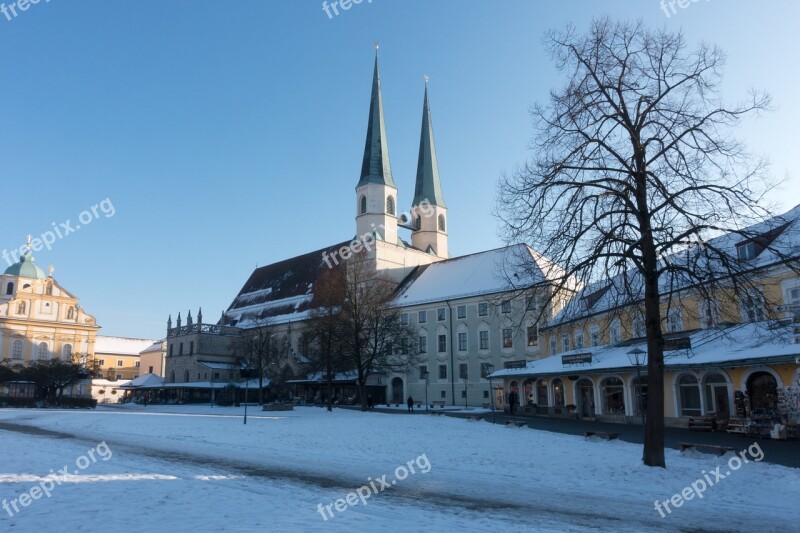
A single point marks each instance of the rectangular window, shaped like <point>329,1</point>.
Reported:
<point>442,343</point>
<point>423,344</point>
<point>533,336</point>
<point>485,370</point>
<point>462,341</point>
<point>579,339</point>
<point>120,362</point>
<point>442,371</point>
<point>483,309</point>
<point>404,319</point>
<point>149,369</point>
<point>462,311</point>
<point>531,304</point>
<point>484,339</point>
<point>746,252</point>
<point>137,364</point>
<point>101,362</point>
<point>565,342</point>
<point>463,371</point>
<point>422,317</point>
<point>171,346</point>
<point>463,394</point>
<point>440,314</point>
<point>191,347</point>
<point>486,395</point>
<point>508,339</point>
<point>443,394</point>
<point>403,345</point>
<point>216,375</point>
<point>423,372</point>
<point>674,322</point>
<point>594,333</point>
<point>553,345</point>
<point>505,307</point>
<point>752,305</point>
<point>180,349</point>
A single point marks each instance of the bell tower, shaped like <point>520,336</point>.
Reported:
<point>376,192</point>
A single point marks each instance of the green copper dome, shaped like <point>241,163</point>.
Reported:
<point>26,268</point>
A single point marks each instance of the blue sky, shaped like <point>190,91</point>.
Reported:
<point>229,134</point>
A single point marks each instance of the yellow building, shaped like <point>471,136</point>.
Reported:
<point>118,357</point>
<point>729,355</point>
<point>40,320</point>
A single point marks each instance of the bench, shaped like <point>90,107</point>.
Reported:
<point>719,450</point>
<point>703,423</point>
<point>601,434</point>
<point>517,423</point>
<point>438,403</point>
<point>418,403</point>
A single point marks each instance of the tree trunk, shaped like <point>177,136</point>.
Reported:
<point>329,375</point>
<point>653,454</point>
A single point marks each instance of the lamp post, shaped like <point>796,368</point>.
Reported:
<point>425,375</point>
<point>489,372</point>
<point>465,393</point>
<point>245,373</point>
<point>638,357</point>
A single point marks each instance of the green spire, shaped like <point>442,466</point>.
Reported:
<point>375,167</point>
<point>428,186</point>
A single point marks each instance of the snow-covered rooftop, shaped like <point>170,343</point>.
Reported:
<point>120,345</point>
<point>745,342</point>
<point>493,271</point>
<point>627,288</point>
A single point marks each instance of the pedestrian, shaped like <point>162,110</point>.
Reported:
<point>369,402</point>
<point>410,403</point>
<point>512,398</point>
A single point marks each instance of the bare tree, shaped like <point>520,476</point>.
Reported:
<point>633,160</point>
<point>263,350</point>
<point>374,341</point>
<point>325,329</point>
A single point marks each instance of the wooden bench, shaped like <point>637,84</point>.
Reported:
<point>719,450</point>
<point>438,403</point>
<point>517,423</point>
<point>703,423</point>
<point>602,434</point>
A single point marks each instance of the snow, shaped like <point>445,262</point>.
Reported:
<point>488,272</point>
<point>737,343</point>
<point>185,468</point>
<point>121,345</point>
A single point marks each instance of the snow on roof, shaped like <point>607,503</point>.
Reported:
<point>493,271</point>
<point>783,236</point>
<point>120,345</point>
<point>145,380</point>
<point>714,346</point>
<point>157,346</point>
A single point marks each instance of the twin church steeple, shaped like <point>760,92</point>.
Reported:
<point>376,192</point>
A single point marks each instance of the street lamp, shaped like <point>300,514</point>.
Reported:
<point>638,357</point>
<point>489,372</point>
<point>245,373</point>
<point>425,375</point>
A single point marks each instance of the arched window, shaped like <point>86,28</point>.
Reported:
<point>615,331</point>
<point>558,393</point>
<point>763,392</point>
<point>585,397</point>
<point>42,351</point>
<point>716,389</point>
<point>390,205</point>
<point>10,288</point>
<point>613,397</point>
<point>640,395</point>
<point>541,393</point>
<point>16,349</point>
<point>363,208</point>
<point>594,335</point>
<point>689,395</point>
<point>66,352</point>
<point>441,223</point>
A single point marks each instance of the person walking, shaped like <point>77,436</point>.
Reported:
<point>512,398</point>
<point>410,404</point>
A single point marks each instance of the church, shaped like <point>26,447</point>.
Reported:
<point>472,313</point>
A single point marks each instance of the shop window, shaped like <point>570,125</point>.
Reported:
<point>716,389</point>
<point>541,393</point>
<point>613,397</point>
<point>689,395</point>
<point>558,393</point>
